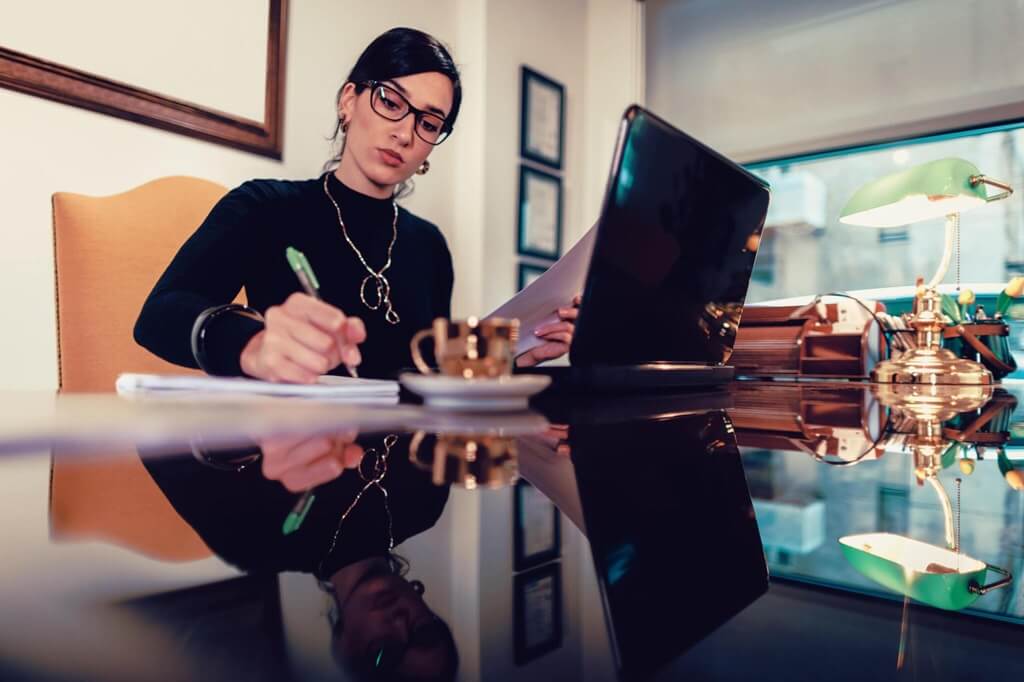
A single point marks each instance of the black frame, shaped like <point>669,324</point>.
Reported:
<point>522,561</point>
<point>526,75</point>
<point>521,247</point>
<point>523,654</point>
<point>527,269</point>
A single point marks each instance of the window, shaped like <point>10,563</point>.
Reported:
<point>809,251</point>
<point>805,250</point>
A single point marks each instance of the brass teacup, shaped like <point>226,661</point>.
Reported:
<point>470,348</point>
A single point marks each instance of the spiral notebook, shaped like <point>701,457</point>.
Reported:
<point>328,387</point>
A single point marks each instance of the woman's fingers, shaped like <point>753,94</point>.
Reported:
<point>318,342</point>
<point>323,315</point>
<point>352,455</point>
<point>303,338</point>
<point>355,330</point>
<point>553,327</point>
<point>546,351</point>
<point>323,470</point>
<point>568,313</point>
<point>302,463</point>
<point>283,454</point>
<point>558,337</point>
<point>283,354</point>
<point>348,332</point>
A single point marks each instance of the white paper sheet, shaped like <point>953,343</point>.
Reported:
<point>327,388</point>
<point>539,302</point>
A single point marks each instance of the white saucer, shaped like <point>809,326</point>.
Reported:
<point>476,395</point>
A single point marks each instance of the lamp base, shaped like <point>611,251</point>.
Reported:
<point>931,366</point>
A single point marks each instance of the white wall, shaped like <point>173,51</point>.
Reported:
<point>549,37</point>
<point>760,80</point>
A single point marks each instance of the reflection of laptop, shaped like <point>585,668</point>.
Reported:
<point>675,545</point>
<point>674,250</point>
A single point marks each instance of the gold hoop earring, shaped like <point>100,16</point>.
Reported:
<point>344,125</point>
<point>424,167</point>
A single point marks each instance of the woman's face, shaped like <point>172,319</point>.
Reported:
<point>386,152</point>
<point>385,608</point>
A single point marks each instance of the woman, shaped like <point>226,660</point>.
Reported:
<point>369,498</point>
<point>383,272</point>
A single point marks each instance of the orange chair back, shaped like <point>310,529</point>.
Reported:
<point>109,252</point>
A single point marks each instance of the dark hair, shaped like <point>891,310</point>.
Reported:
<point>396,53</point>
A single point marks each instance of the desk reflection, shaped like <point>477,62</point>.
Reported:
<point>660,571</point>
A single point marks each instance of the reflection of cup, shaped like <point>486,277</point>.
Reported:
<point>467,460</point>
<point>469,348</point>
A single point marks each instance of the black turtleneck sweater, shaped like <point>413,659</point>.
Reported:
<point>242,243</point>
<point>239,515</point>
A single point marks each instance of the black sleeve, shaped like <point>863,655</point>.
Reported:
<point>207,271</point>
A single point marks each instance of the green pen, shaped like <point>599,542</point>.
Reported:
<point>304,272</point>
<point>298,513</point>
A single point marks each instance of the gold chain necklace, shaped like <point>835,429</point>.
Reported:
<point>377,276</point>
<point>380,469</point>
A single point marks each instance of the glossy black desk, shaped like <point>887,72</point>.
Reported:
<point>175,566</point>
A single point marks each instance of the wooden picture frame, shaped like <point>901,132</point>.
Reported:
<point>537,532</point>
<point>538,612</point>
<point>60,83</point>
<point>539,214</point>
<point>541,118</point>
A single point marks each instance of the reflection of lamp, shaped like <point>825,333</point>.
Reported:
<point>940,188</point>
<point>941,577</point>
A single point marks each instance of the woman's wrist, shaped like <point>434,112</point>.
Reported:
<point>219,332</point>
<point>249,359</point>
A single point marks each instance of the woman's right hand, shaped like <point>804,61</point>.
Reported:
<point>301,463</point>
<point>302,339</point>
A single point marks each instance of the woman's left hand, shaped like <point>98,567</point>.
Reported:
<point>557,337</point>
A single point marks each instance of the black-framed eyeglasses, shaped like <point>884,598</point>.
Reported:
<point>392,105</point>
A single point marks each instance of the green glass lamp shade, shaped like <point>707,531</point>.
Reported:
<point>931,575</point>
<point>931,190</point>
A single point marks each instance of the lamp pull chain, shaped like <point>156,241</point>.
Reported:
<point>956,219</point>
<point>957,548</point>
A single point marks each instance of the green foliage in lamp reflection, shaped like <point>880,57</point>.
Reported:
<point>951,454</point>
<point>951,309</point>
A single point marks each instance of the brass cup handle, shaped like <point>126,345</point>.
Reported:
<point>417,356</point>
<point>414,445</point>
<point>1007,578</point>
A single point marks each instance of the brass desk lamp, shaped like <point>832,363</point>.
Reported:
<point>947,187</point>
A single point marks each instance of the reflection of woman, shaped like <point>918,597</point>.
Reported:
<point>383,272</point>
<point>382,623</point>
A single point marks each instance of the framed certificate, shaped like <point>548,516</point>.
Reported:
<point>540,213</point>
<point>538,612</point>
<point>537,535</point>
<point>529,272</point>
<point>542,118</point>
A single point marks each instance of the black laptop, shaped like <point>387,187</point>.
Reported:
<point>676,548</point>
<point>672,259</point>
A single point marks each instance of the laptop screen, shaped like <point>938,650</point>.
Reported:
<point>675,248</point>
<point>672,531</point>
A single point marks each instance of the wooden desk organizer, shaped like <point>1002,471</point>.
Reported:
<point>802,341</point>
